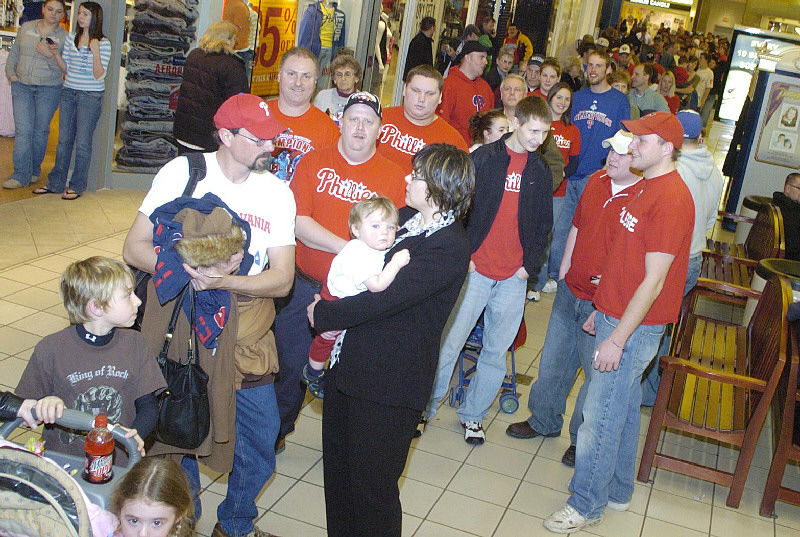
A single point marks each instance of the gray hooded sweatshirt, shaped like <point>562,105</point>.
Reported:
<point>701,175</point>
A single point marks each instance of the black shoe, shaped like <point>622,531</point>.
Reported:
<point>280,444</point>
<point>569,457</point>
<point>523,429</point>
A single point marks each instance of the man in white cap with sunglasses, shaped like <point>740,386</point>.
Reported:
<point>639,292</point>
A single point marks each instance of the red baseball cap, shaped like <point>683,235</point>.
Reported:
<point>247,111</point>
<point>663,124</point>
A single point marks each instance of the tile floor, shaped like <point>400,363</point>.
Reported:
<point>504,488</point>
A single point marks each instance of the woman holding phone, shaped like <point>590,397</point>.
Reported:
<point>35,80</point>
<point>85,60</point>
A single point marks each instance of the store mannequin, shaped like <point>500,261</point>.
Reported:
<point>383,54</point>
<point>322,31</point>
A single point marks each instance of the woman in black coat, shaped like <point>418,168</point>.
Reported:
<point>387,359</point>
<point>212,73</point>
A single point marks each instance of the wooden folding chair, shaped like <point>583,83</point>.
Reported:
<point>719,384</point>
<point>785,431</point>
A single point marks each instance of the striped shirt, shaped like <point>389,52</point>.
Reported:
<point>79,65</point>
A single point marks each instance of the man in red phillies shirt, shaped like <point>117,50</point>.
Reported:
<point>408,128</point>
<point>639,292</point>
<point>327,183</point>
<point>465,93</point>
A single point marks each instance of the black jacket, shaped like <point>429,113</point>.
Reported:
<point>420,52</point>
<point>391,349</point>
<point>790,210</point>
<point>492,77</point>
<point>535,212</point>
<point>208,80</point>
<point>9,406</point>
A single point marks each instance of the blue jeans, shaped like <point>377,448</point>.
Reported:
<point>566,348</point>
<point>550,265</point>
<point>504,302</point>
<point>192,473</point>
<point>78,115</point>
<point>652,377</point>
<point>608,438</point>
<point>293,337</point>
<point>34,107</point>
<point>253,459</point>
<point>563,223</point>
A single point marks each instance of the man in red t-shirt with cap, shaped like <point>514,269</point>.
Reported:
<point>639,292</point>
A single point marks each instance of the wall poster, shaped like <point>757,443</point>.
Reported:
<point>277,28</point>
<point>777,143</point>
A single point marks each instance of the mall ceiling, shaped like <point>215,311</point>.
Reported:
<point>789,9</point>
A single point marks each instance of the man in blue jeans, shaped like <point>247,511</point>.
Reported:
<point>639,291</point>
<point>236,172</point>
<point>567,346</point>
<point>508,227</point>
<point>597,111</point>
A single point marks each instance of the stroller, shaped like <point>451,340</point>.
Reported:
<point>39,497</point>
<point>468,363</point>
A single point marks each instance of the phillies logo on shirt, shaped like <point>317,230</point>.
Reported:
<point>627,220</point>
<point>512,182</point>
<point>405,143</point>
<point>344,189</point>
<point>561,141</point>
<point>479,102</point>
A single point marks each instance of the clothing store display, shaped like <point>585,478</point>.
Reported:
<point>162,31</point>
<point>6,110</point>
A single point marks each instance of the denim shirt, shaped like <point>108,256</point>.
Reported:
<point>29,66</point>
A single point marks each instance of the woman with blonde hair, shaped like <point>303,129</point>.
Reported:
<point>666,87</point>
<point>212,73</point>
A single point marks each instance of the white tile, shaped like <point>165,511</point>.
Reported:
<point>11,311</point>
<point>416,497</point>
<point>682,485</point>
<point>466,514</point>
<point>654,527</point>
<point>788,515</point>
<point>296,460</point>
<point>785,531</point>
<point>289,527</point>
<point>484,485</point>
<point>410,525</point>
<point>208,517</point>
<point>53,263</point>
<point>316,475</point>
<point>305,502</point>
<point>678,510</point>
<point>725,523</point>
<point>274,490</point>
<point>503,460</point>
<point>11,370</point>
<point>41,323</point>
<point>749,504</point>
<point>35,297</point>
<point>429,468</point>
<point>538,501</point>
<point>615,524</point>
<point>549,473</point>
<point>308,432</point>
<point>443,442</point>
<point>496,434</point>
<point>28,274</point>
<point>516,524</point>
<point>432,529</point>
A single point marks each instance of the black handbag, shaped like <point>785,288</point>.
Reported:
<point>183,410</point>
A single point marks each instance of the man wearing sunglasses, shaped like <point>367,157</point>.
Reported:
<point>246,127</point>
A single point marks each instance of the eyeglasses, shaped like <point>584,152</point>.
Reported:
<point>260,142</point>
<point>416,176</point>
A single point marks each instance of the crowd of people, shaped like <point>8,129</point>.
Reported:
<point>378,238</point>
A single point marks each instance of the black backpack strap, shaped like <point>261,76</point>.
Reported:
<point>173,321</point>
<point>197,171</point>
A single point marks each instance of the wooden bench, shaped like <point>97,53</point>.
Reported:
<point>735,263</point>
<point>785,431</point>
<point>718,383</point>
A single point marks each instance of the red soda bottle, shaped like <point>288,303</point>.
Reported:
<point>99,452</point>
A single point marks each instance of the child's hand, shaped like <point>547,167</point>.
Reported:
<point>310,309</point>
<point>401,258</point>
<point>132,433</point>
<point>24,413</point>
<point>49,408</point>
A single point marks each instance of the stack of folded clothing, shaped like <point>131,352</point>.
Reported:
<point>161,34</point>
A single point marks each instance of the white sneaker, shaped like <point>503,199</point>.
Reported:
<point>568,520</point>
<point>473,432</point>
<point>550,286</point>
<point>534,296</point>
<point>618,506</point>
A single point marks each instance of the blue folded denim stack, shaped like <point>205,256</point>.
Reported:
<point>162,32</point>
